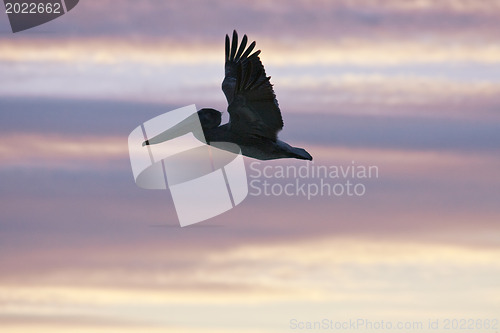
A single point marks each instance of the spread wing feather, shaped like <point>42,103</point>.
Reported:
<point>253,108</point>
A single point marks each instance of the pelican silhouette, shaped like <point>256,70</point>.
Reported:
<point>255,117</point>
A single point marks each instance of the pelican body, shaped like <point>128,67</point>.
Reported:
<point>255,117</point>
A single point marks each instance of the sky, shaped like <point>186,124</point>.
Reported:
<point>411,87</point>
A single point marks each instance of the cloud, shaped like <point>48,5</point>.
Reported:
<point>325,19</point>
<point>427,192</point>
<point>284,268</point>
<point>331,272</point>
<point>418,77</point>
<point>29,140</point>
<point>53,151</point>
<point>167,51</point>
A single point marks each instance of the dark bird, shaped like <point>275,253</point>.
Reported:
<point>255,117</point>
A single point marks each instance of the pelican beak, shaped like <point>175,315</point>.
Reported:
<point>188,125</point>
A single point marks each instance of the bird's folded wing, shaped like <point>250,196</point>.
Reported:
<point>253,108</point>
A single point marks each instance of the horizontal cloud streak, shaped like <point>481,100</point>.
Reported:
<point>328,19</point>
<point>357,75</point>
<point>90,125</point>
<point>284,276</point>
<point>156,52</point>
<point>414,191</point>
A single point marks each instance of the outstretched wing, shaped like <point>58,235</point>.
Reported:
<point>253,108</point>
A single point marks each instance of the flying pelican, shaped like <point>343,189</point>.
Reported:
<point>255,117</point>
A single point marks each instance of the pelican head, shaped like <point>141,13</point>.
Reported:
<point>209,118</point>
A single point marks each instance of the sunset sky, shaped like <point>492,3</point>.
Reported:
<point>409,86</point>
